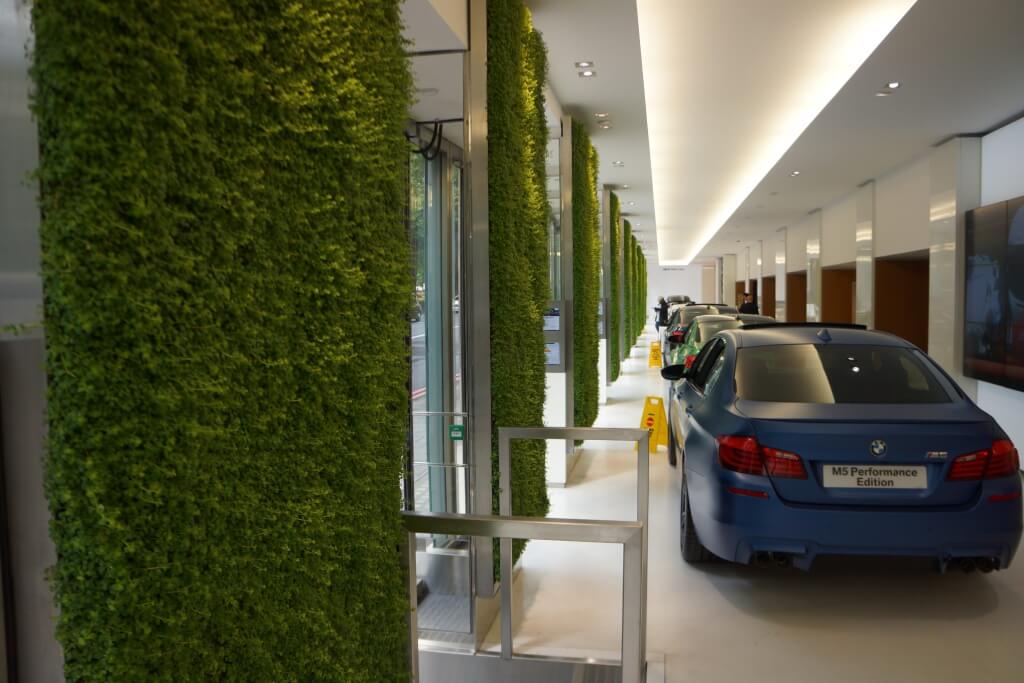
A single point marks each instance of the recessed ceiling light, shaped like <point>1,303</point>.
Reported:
<point>601,115</point>
<point>893,85</point>
<point>618,164</point>
<point>632,203</point>
<point>605,124</point>
<point>625,187</point>
<point>795,173</point>
<point>584,65</point>
<point>587,73</point>
<point>883,93</point>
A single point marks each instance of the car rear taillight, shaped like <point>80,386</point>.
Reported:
<point>743,454</point>
<point>740,454</point>
<point>783,464</point>
<point>677,337</point>
<point>689,360</point>
<point>999,461</point>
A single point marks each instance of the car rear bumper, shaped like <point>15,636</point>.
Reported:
<point>735,526</point>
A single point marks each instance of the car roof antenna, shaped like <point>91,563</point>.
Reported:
<point>824,336</point>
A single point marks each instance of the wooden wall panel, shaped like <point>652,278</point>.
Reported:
<point>838,292</point>
<point>901,299</point>
<point>796,297</point>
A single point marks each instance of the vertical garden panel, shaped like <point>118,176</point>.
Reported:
<point>615,299</point>
<point>517,140</point>
<point>629,287</point>
<point>586,276</point>
<point>225,260</point>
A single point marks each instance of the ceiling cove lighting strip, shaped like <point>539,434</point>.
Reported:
<point>729,87</point>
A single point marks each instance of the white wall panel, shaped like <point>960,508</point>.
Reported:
<point>839,232</point>
<point>902,199</point>
<point>1002,164</point>
<point>796,247</point>
<point>673,280</point>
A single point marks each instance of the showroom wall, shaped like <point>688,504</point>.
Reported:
<point>673,280</point>
<point>900,231</point>
<point>1002,152</point>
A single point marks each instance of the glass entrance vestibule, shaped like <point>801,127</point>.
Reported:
<point>438,474</point>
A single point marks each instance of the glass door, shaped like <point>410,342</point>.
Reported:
<point>439,476</point>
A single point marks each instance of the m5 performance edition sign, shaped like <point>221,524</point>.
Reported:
<point>875,477</point>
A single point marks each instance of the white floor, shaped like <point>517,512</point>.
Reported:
<point>849,620</point>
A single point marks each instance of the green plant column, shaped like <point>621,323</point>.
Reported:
<point>517,144</point>
<point>586,268</point>
<point>225,262</point>
<point>614,315</point>
<point>627,286</point>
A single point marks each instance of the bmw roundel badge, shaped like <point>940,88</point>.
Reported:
<point>878,448</point>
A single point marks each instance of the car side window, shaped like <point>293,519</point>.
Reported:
<point>704,363</point>
<point>716,372</point>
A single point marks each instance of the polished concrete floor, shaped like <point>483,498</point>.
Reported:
<point>847,620</point>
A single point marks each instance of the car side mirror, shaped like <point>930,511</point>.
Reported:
<point>675,372</point>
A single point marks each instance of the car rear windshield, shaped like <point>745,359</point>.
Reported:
<point>709,329</point>
<point>836,373</point>
<point>691,312</point>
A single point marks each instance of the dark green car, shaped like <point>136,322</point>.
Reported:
<point>703,328</point>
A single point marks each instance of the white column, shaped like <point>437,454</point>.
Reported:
<point>865,236</point>
<point>954,188</point>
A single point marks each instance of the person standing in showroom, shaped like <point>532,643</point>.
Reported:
<point>748,305</point>
<point>661,314</point>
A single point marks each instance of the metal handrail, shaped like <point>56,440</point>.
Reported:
<point>630,534</point>
<point>634,593</point>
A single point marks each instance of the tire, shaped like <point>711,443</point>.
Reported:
<point>693,551</point>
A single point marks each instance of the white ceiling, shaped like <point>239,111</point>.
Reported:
<point>736,65</point>
<point>605,32</point>
<point>960,66</point>
<point>730,85</point>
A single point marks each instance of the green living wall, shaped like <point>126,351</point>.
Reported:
<point>614,300</point>
<point>641,289</point>
<point>517,144</point>
<point>628,288</point>
<point>224,257</point>
<point>586,272</point>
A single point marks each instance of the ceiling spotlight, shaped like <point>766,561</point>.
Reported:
<point>605,125</point>
<point>625,187</point>
<point>601,115</point>
<point>584,65</point>
<point>632,203</point>
<point>892,85</point>
<point>795,173</point>
<point>587,73</point>
<point>618,164</point>
<point>883,93</point>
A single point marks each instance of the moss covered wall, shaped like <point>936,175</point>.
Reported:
<point>586,244</point>
<point>615,298</point>
<point>628,288</point>
<point>517,139</point>
<point>224,261</point>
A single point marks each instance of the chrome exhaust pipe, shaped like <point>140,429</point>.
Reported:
<point>986,564</point>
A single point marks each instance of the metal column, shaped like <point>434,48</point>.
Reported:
<point>477,373</point>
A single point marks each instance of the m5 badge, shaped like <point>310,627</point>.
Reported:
<point>936,455</point>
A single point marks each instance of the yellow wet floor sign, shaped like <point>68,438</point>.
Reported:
<point>654,358</point>
<point>653,419</point>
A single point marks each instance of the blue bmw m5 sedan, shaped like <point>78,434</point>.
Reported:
<point>799,440</point>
